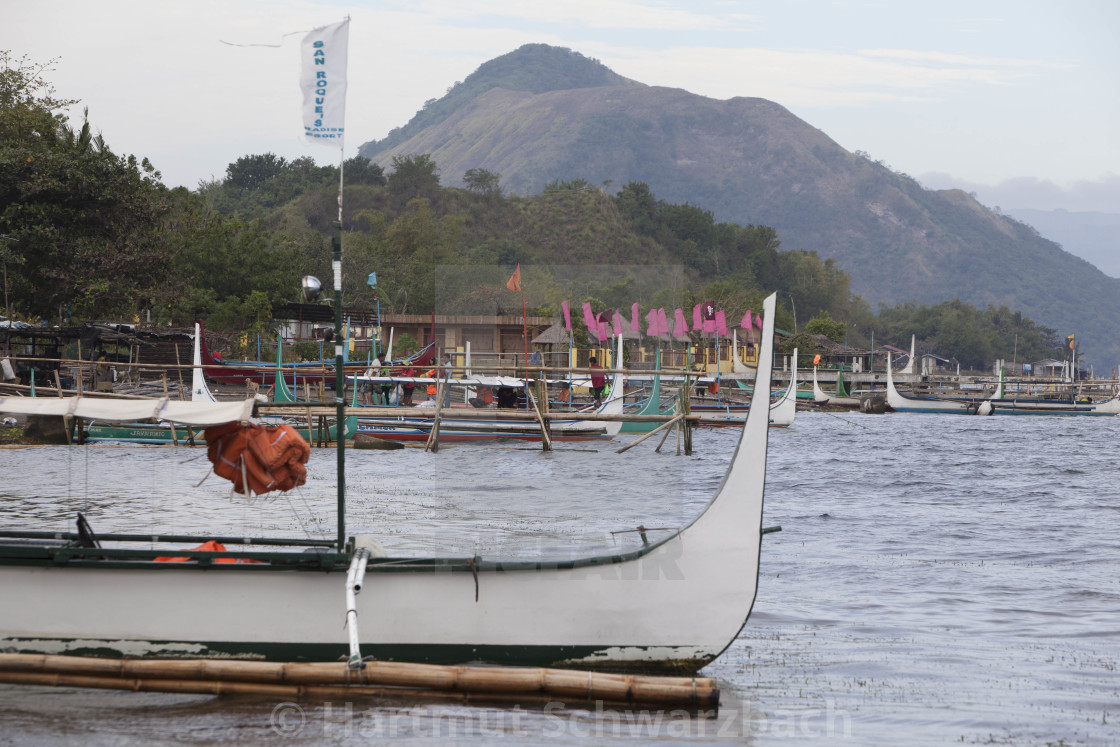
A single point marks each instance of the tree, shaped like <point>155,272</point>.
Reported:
<point>483,182</point>
<point>413,176</point>
<point>82,220</point>
<point>253,172</point>
<point>361,170</point>
<point>823,324</point>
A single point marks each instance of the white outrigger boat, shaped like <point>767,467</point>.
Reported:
<point>997,404</point>
<point>784,412</point>
<point>830,400</point>
<point>672,605</point>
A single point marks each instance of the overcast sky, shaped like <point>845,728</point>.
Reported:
<point>955,93</point>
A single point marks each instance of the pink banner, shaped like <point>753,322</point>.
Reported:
<point>697,319</point>
<point>653,329</point>
<point>589,319</point>
<point>758,320</point>
<point>721,323</point>
<point>567,315</point>
<point>748,321</point>
<point>616,322</point>
<point>602,333</point>
<point>635,319</point>
<point>662,322</point>
<point>681,329</point>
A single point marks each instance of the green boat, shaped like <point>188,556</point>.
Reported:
<point>651,406</point>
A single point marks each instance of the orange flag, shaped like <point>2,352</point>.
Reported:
<point>514,283</point>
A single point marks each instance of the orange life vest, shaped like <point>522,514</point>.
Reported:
<point>269,457</point>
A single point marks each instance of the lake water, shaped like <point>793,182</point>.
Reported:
<point>938,579</point>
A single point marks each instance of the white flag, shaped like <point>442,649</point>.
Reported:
<point>323,81</point>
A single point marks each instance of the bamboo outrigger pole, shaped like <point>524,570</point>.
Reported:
<point>376,678</point>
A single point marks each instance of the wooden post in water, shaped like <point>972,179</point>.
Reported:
<point>178,367</point>
<point>433,435</point>
<point>546,440</point>
<point>174,436</point>
<point>666,426</point>
<point>686,410</point>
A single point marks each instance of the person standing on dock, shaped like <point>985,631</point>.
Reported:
<point>598,380</point>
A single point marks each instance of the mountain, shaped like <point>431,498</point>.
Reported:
<point>1093,236</point>
<point>542,114</point>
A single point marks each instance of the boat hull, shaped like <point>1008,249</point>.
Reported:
<point>628,616</point>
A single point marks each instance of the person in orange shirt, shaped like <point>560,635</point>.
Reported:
<point>431,389</point>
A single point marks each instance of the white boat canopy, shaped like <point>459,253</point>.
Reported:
<point>132,410</point>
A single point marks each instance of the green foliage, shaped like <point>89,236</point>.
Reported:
<point>483,182</point>
<point>404,345</point>
<point>803,343</point>
<point>824,324</point>
<point>82,222</point>
<point>415,176</point>
<point>974,337</point>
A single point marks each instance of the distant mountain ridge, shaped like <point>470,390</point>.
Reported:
<point>1092,235</point>
<point>542,114</point>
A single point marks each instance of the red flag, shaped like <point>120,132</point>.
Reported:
<point>567,315</point>
<point>514,283</point>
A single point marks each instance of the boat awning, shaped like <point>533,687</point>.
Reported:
<point>132,410</point>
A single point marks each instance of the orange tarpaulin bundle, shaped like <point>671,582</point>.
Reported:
<point>269,457</point>
<point>210,546</point>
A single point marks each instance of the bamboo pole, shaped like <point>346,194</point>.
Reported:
<point>462,680</point>
<point>178,365</point>
<point>433,435</point>
<point>652,433</point>
<point>664,438</point>
<point>324,692</point>
<point>174,436</point>
<point>546,440</point>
